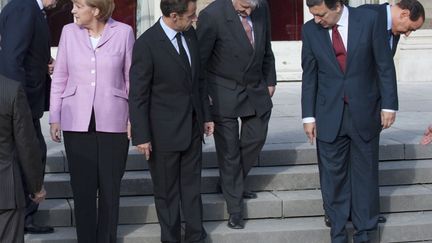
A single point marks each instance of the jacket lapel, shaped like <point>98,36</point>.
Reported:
<point>354,32</point>
<point>235,26</point>
<point>166,45</point>
<point>108,32</point>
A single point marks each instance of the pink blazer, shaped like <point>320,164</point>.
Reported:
<point>85,78</point>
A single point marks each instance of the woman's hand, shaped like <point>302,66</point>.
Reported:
<point>55,132</point>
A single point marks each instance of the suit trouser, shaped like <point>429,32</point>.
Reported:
<point>237,153</point>
<point>97,162</point>
<point>349,182</point>
<point>12,225</point>
<point>176,177</point>
<point>32,207</point>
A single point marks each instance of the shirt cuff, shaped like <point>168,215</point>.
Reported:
<point>308,119</point>
<point>388,110</point>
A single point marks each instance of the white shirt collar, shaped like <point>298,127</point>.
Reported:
<point>168,31</point>
<point>39,2</point>
<point>343,21</point>
<point>389,18</point>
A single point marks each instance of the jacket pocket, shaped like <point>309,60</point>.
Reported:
<point>70,91</point>
<point>119,93</point>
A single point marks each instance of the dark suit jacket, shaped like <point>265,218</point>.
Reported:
<point>369,80</point>
<point>25,51</point>
<point>382,16</point>
<point>163,95</point>
<point>237,74</point>
<point>19,147</point>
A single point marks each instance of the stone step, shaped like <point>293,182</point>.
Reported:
<point>400,227</point>
<point>276,204</point>
<point>280,178</point>
<point>272,155</point>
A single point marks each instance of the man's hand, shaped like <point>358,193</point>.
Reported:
<point>208,128</point>
<point>55,132</point>
<point>387,119</point>
<point>145,149</point>
<point>310,130</point>
<point>271,90</point>
<point>51,65</point>
<point>38,197</point>
<point>427,137</point>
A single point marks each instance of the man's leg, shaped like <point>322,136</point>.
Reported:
<point>227,143</point>
<point>32,207</point>
<point>165,173</point>
<point>190,188</point>
<point>252,138</point>
<point>12,225</point>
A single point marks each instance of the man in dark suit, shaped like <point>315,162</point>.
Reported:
<point>25,57</point>
<point>403,18</point>
<point>349,95</point>
<point>236,52</point>
<point>169,113</point>
<point>19,152</point>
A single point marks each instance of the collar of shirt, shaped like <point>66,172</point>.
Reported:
<point>342,26</point>
<point>168,31</point>
<point>389,19</point>
<point>171,34</point>
<point>39,2</point>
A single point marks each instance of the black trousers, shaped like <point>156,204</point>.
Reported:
<point>176,177</point>
<point>32,207</point>
<point>349,182</point>
<point>237,153</point>
<point>12,225</point>
<point>96,163</point>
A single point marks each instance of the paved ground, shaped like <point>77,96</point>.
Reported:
<point>415,113</point>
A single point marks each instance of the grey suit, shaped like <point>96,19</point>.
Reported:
<point>18,151</point>
<point>238,75</point>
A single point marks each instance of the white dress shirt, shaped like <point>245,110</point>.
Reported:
<point>172,36</point>
<point>39,2</point>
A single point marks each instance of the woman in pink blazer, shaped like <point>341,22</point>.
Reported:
<point>89,103</point>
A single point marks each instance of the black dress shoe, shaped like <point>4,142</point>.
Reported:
<point>37,229</point>
<point>327,220</point>
<point>382,220</point>
<point>235,221</point>
<point>249,195</point>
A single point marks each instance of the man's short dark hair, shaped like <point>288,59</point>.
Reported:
<point>174,6</point>
<point>415,7</point>
<point>331,4</point>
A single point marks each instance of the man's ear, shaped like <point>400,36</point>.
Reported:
<point>405,13</point>
<point>174,16</point>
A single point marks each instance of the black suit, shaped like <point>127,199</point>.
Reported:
<point>168,107</point>
<point>382,15</point>
<point>24,57</point>
<point>18,153</point>
<point>348,128</point>
<point>238,75</point>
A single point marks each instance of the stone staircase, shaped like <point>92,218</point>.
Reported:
<point>288,207</point>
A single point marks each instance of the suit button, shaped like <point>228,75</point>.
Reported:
<point>93,84</point>
<point>93,71</point>
<point>93,59</point>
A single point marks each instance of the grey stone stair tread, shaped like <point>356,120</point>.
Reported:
<point>400,227</point>
<point>276,204</point>
<point>282,178</point>
<point>273,154</point>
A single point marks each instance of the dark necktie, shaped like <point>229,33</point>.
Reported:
<point>248,28</point>
<point>182,51</point>
<point>339,48</point>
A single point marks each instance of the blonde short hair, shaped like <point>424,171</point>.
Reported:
<point>106,8</point>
